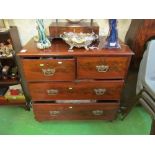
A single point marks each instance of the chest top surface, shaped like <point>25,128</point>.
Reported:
<point>60,48</point>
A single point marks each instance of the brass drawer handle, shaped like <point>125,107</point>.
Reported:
<point>100,91</point>
<point>48,71</point>
<point>102,68</point>
<point>52,91</point>
<point>54,112</point>
<point>97,112</point>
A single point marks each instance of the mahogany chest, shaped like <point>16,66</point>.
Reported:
<point>75,85</point>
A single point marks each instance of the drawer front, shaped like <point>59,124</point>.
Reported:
<point>102,67</point>
<point>51,69</point>
<point>47,111</point>
<point>106,90</point>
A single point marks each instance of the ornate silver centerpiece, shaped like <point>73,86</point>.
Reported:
<point>79,39</point>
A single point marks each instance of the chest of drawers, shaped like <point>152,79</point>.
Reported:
<point>74,85</point>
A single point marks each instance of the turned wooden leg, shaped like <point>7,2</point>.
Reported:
<point>28,106</point>
<point>152,132</point>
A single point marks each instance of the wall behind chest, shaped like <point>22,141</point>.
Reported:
<point>27,27</point>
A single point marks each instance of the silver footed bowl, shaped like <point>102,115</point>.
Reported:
<point>78,39</point>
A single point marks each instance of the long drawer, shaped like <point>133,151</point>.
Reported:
<point>49,69</point>
<point>102,67</point>
<point>101,90</point>
<point>105,111</point>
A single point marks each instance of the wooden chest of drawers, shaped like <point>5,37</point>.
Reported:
<point>74,85</point>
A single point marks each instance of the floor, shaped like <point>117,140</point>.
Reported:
<point>17,121</point>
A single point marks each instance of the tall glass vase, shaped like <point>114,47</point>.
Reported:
<point>112,39</point>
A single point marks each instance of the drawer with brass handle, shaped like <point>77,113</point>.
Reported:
<point>102,67</point>
<point>49,69</point>
<point>100,90</point>
<point>49,111</point>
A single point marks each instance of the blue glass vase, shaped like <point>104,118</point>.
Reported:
<point>112,39</point>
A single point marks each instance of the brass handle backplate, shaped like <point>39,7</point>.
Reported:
<point>54,112</point>
<point>97,112</point>
<point>48,71</point>
<point>52,91</point>
<point>100,91</point>
<point>102,68</point>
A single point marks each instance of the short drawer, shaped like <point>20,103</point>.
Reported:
<point>102,67</point>
<point>101,90</point>
<point>49,69</point>
<point>105,111</point>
